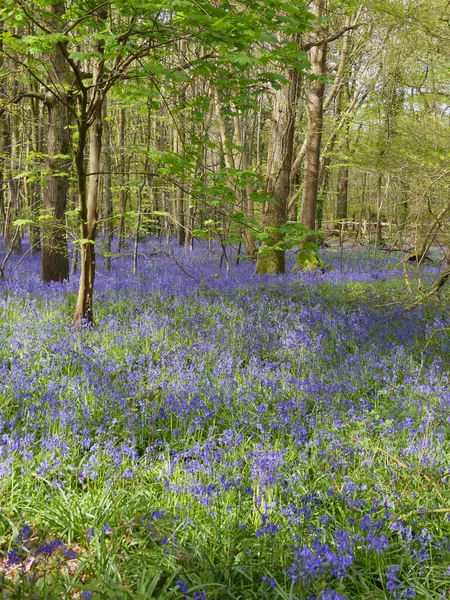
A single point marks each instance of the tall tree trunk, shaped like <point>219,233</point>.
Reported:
<point>35,188</point>
<point>244,195</point>
<point>90,119</point>
<point>88,215</point>
<point>5,150</point>
<point>55,259</point>
<point>121,178</point>
<point>314,107</point>
<point>10,238</point>
<point>324,183</point>
<point>107,189</point>
<point>3,135</point>
<point>178,147</point>
<point>343,173</point>
<point>271,257</point>
<point>342,192</point>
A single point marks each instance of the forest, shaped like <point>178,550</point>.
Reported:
<point>224,293</point>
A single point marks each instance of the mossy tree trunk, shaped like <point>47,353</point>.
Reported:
<point>271,257</point>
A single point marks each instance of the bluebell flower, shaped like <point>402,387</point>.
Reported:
<point>183,587</point>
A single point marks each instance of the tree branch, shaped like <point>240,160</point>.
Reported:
<point>22,95</point>
<point>329,39</point>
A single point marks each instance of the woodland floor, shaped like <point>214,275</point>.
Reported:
<point>222,435</point>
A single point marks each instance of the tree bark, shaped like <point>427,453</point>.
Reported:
<point>13,206</point>
<point>343,173</point>
<point>35,188</point>
<point>314,107</point>
<point>121,179</point>
<point>178,147</point>
<point>88,216</point>
<point>55,259</point>
<point>107,189</point>
<point>271,257</point>
<point>342,195</point>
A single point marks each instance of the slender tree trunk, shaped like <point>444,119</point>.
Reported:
<point>5,149</point>
<point>178,147</point>
<point>35,188</point>
<point>14,189</point>
<point>88,216</point>
<point>342,195</point>
<point>12,206</point>
<point>343,174</point>
<point>107,188</point>
<point>190,219</point>
<point>324,183</point>
<point>314,105</point>
<point>246,203</point>
<point>90,119</point>
<point>3,135</point>
<point>121,179</point>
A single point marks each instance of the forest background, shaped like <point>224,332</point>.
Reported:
<point>258,189</point>
<point>253,123</point>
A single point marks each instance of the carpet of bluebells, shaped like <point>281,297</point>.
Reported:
<point>220,435</point>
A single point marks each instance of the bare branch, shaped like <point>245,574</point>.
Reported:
<point>329,39</point>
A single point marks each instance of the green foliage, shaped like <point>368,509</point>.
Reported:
<point>22,222</point>
<point>308,258</point>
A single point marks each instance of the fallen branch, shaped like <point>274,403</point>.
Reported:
<point>8,254</point>
<point>434,289</point>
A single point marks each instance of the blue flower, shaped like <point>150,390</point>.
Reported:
<point>183,587</point>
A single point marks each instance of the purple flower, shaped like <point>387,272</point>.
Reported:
<point>328,594</point>
<point>14,558</point>
<point>271,581</point>
<point>183,587</point>
<point>24,534</point>
<point>392,580</point>
<point>48,548</point>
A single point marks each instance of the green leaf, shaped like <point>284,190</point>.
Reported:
<point>72,213</point>
<point>84,55</point>
<point>307,260</point>
<point>83,241</point>
<point>21,222</point>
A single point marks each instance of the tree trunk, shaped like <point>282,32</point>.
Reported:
<point>107,188</point>
<point>314,106</point>
<point>343,174</point>
<point>55,259</point>
<point>35,188</point>
<point>88,216</point>
<point>178,147</point>
<point>12,206</point>
<point>121,179</point>
<point>342,195</point>
<point>5,150</point>
<point>271,257</point>
<point>244,195</point>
